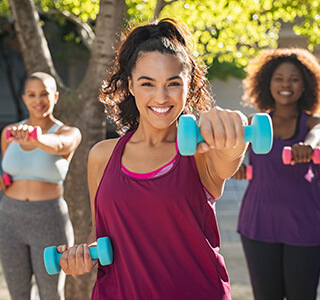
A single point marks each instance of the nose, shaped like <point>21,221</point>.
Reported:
<point>162,95</point>
<point>286,83</point>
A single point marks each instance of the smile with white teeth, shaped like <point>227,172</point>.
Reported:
<point>160,110</point>
<point>285,93</point>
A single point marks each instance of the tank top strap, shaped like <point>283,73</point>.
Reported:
<point>115,158</point>
<point>54,128</point>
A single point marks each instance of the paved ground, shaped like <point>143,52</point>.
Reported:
<point>227,212</point>
<point>227,209</point>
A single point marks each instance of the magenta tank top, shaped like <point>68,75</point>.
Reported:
<point>281,204</point>
<point>164,235</point>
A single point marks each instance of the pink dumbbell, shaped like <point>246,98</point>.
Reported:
<point>249,172</point>
<point>33,134</point>
<point>287,155</point>
<point>6,179</point>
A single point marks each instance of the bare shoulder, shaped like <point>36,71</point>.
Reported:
<point>313,120</point>
<point>103,148</point>
<point>100,154</point>
<point>66,129</point>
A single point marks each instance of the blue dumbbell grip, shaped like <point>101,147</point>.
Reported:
<point>248,134</point>
<point>93,253</point>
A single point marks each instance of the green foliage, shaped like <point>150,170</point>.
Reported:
<point>86,10</point>
<point>230,32</point>
<point>309,15</point>
<point>227,33</point>
<point>140,11</point>
<point>4,8</point>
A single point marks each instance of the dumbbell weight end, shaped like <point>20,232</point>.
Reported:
<point>316,156</point>
<point>249,172</point>
<point>6,179</point>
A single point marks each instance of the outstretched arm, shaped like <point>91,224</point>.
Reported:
<point>221,154</point>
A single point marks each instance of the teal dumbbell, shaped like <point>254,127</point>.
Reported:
<point>259,134</point>
<point>103,251</point>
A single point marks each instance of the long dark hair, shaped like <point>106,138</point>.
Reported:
<point>164,36</point>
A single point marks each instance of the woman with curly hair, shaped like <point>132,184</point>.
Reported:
<point>157,206</point>
<point>280,213</point>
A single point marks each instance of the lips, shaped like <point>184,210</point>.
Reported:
<point>161,110</point>
<point>285,93</point>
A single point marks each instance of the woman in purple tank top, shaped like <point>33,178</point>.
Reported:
<point>157,206</point>
<point>279,220</point>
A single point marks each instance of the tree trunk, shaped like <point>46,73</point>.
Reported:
<point>34,47</point>
<point>79,108</point>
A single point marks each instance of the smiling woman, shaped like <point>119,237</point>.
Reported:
<point>36,153</point>
<point>157,206</point>
<point>280,213</point>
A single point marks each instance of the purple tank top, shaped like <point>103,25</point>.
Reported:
<point>280,205</point>
<point>164,235</point>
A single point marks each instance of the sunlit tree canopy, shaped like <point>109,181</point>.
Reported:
<point>226,32</point>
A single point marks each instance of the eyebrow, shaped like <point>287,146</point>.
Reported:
<point>282,74</point>
<point>151,79</point>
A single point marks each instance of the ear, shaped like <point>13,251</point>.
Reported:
<point>130,86</point>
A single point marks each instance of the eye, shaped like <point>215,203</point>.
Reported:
<point>174,83</point>
<point>146,84</point>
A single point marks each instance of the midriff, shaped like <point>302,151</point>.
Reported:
<point>31,190</point>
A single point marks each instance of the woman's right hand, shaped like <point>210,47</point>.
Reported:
<point>75,260</point>
<point>241,173</point>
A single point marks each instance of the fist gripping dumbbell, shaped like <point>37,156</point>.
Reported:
<point>259,133</point>
<point>287,155</point>
<point>103,251</point>
<point>33,134</point>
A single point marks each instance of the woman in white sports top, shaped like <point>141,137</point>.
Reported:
<point>36,153</point>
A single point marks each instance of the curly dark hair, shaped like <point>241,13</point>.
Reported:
<point>259,72</point>
<point>165,36</point>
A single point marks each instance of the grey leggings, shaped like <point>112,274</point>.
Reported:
<point>26,228</point>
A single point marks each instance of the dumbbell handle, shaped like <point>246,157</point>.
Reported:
<point>248,134</point>
<point>93,253</point>
<point>33,134</point>
<point>287,155</point>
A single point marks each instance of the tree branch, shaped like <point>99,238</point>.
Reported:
<point>34,46</point>
<point>161,4</point>
<point>85,31</point>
